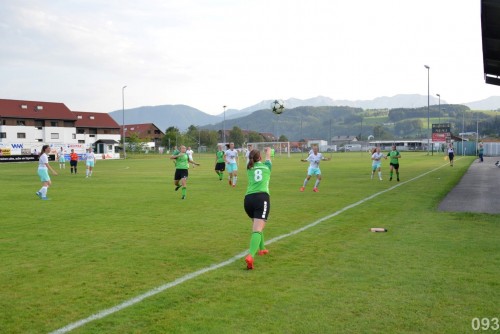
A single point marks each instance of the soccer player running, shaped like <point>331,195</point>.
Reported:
<point>376,162</point>
<point>89,162</point>
<point>394,155</point>
<point>181,169</point>
<point>257,202</point>
<point>43,172</point>
<point>231,158</point>
<point>314,159</point>
<point>220,165</point>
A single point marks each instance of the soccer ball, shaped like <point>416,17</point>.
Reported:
<point>277,106</point>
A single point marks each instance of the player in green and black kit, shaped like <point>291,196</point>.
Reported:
<point>257,203</point>
<point>181,169</point>
<point>394,155</point>
<point>220,164</point>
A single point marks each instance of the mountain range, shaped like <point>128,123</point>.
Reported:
<point>182,116</point>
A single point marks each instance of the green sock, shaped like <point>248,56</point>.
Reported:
<point>390,173</point>
<point>255,243</point>
<point>221,175</point>
<point>262,245</point>
<point>183,191</point>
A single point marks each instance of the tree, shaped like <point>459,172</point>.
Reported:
<point>136,144</point>
<point>255,137</point>
<point>171,137</point>
<point>236,136</point>
<point>283,138</point>
<point>380,133</point>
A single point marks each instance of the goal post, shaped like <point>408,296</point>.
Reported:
<point>281,148</point>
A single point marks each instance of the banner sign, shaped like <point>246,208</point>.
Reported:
<point>441,132</point>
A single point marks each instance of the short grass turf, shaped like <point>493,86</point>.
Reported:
<point>104,240</point>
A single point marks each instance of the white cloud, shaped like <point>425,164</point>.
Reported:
<point>235,52</point>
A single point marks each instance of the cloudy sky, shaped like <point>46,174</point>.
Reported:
<point>210,53</point>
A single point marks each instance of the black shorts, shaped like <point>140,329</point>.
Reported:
<point>73,163</point>
<point>220,166</point>
<point>257,205</point>
<point>396,166</point>
<point>180,174</point>
<point>451,156</point>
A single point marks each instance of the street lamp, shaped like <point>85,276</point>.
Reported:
<point>439,110</point>
<point>123,122</point>
<point>224,126</point>
<point>428,109</point>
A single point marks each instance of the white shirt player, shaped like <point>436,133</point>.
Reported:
<point>90,156</point>
<point>377,156</point>
<point>44,159</point>
<point>231,156</point>
<point>190,154</point>
<point>314,159</point>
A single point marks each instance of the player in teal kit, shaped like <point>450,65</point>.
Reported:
<point>257,202</point>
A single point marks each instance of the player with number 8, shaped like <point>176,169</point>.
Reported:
<point>257,202</point>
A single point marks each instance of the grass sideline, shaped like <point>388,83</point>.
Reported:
<point>104,240</point>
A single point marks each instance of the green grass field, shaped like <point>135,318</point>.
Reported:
<point>102,241</point>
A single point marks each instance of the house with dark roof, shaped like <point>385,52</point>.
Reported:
<point>99,130</point>
<point>25,126</point>
<point>146,132</point>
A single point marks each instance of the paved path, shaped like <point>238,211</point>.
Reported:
<point>477,191</point>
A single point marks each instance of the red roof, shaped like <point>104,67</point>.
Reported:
<point>35,110</point>
<point>142,129</point>
<point>94,120</point>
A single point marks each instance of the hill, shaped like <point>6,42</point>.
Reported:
<point>164,116</point>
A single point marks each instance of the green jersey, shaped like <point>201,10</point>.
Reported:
<point>258,178</point>
<point>220,156</point>
<point>182,162</point>
<point>394,156</point>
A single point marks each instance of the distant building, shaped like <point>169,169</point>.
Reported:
<point>147,132</point>
<point>341,140</point>
<point>25,126</point>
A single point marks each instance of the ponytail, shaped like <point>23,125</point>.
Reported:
<point>253,157</point>
<point>44,147</point>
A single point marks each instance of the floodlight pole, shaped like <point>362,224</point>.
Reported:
<point>123,122</point>
<point>224,126</point>
<point>428,109</point>
<point>439,110</point>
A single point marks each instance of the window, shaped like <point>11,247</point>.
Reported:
<point>80,131</point>
<point>93,131</point>
<point>24,106</point>
<point>68,124</point>
<point>81,141</point>
<point>39,140</point>
<point>79,117</point>
<point>3,135</point>
<point>3,122</point>
<point>92,136</point>
<point>38,123</point>
<point>53,123</point>
<point>22,123</point>
<point>91,117</point>
<point>21,135</point>
<point>73,136</point>
<point>54,136</point>
<point>39,107</point>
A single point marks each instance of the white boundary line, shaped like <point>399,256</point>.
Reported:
<point>161,288</point>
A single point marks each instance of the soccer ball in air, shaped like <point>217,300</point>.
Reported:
<point>277,106</point>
